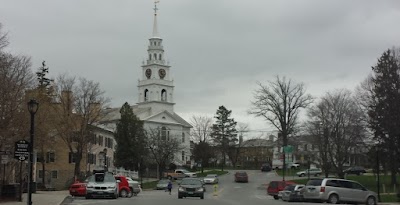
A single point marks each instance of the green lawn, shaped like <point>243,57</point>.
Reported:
<point>149,185</point>
<point>217,172</point>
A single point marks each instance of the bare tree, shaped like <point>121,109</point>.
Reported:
<point>79,105</point>
<point>15,79</point>
<point>3,38</point>
<point>343,128</point>
<point>202,127</point>
<point>279,103</point>
<point>235,150</point>
<point>162,150</point>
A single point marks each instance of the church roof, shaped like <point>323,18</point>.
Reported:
<point>113,115</point>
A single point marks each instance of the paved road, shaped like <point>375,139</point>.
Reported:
<point>229,193</point>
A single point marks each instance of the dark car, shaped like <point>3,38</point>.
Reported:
<point>266,168</point>
<point>191,187</point>
<point>241,176</point>
<point>275,187</point>
<point>292,193</point>
<point>355,170</point>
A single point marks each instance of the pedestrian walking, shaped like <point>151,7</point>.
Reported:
<point>169,187</point>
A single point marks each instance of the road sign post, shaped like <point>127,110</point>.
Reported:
<point>21,151</point>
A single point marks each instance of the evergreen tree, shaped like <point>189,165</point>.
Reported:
<point>384,111</point>
<point>131,141</point>
<point>224,132</point>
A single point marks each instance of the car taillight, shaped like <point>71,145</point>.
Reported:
<point>322,189</point>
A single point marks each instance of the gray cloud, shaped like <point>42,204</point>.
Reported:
<point>218,50</point>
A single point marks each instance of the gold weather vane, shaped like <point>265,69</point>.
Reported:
<point>155,6</point>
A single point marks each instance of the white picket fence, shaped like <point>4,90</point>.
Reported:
<point>127,173</point>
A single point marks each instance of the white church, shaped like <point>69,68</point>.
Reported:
<point>156,100</point>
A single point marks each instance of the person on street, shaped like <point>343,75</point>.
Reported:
<point>169,187</point>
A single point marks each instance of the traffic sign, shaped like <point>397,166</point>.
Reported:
<point>21,151</point>
<point>288,149</point>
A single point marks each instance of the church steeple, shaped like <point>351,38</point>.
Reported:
<point>156,86</point>
<point>155,27</point>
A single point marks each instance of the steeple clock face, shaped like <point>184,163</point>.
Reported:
<point>148,73</point>
<point>161,73</point>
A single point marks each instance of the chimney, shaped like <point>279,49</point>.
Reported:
<point>67,100</point>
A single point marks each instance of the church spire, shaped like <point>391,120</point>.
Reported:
<point>155,28</point>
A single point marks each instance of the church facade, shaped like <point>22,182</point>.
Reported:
<point>155,106</point>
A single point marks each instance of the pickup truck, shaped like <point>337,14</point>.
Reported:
<point>179,174</point>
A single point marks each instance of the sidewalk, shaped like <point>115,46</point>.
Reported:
<point>42,198</point>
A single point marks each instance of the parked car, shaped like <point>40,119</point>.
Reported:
<point>295,165</point>
<point>313,172</point>
<point>162,184</point>
<point>275,187</point>
<point>191,187</point>
<point>266,168</point>
<point>134,186</point>
<point>211,179</point>
<point>102,184</point>
<point>292,193</point>
<point>241,176</point>
<point>333,191</point>
<point>123,186</point>
<point>179,174</point>
<point>77,189</point>
<point>355,170</point>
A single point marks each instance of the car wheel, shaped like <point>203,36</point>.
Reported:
<point>130,194</point>
<point>371,201</point>
<point>88,196</point>
<point>276,197</point>
<point>333,199</point>
<point>169,177</point>
<point>302,175</point>
<point>179,196</point>
<point>316,175</point>
<point>123,193</point>
<point>202,196</point>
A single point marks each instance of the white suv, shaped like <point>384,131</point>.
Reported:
<point>333,191</point>
<point>101,184</point>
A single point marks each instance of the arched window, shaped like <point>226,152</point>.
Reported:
<point>163,95</point>
<point>149,56</point>
<point>155,43</point>
<point>183,137</point>
<point>155,56</point>
<point>163,133</point>
<point>146,93</point>
<point>159,57</point>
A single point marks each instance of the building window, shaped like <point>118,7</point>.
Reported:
<point>183,137</point>
<point>51,157</point>
<point>163,95</point>
<point>155,56</point>
<point>101,140</point>
<point>183,155</point>
<point>146,97</point>
<point>159,57</point>
<point>306,147</point>
<point>163,133</point>
<point>54,174</point>
<point>71,157</point>
<point>40,174</point>
<point>149,56</point>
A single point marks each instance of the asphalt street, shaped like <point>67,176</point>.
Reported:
<point>229,193</point>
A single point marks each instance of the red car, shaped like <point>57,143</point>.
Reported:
<point>275,187</point>
<point>123,185</point>
<point>241,176</point>
<point>77,189</point>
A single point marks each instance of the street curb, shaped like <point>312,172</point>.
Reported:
<point>66,200</point>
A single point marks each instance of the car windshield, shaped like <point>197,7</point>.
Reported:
<point>101,177</point>
<point>163,181</point>
<point>241,173</point>
<point>211,176</point>
<point>289,188</point>
<point>191,182</point>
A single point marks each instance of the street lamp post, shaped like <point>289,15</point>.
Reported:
<point>33,106</point>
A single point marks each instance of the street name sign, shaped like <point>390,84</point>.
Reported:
<point>21,151</point>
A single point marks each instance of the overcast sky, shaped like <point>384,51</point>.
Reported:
<point>218,49</point>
